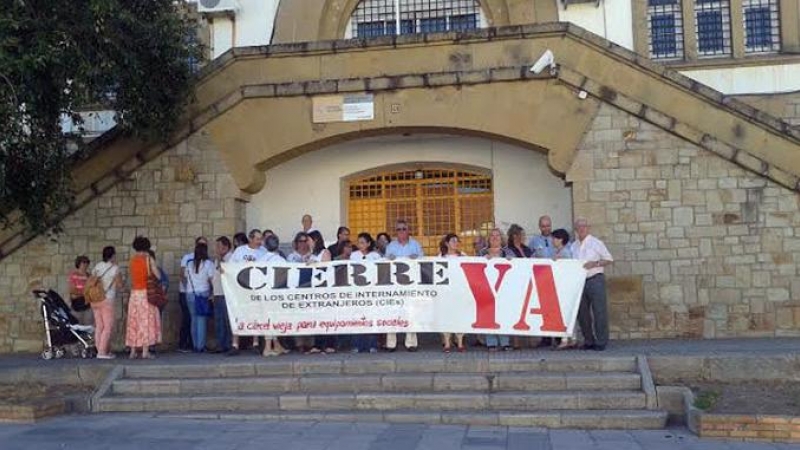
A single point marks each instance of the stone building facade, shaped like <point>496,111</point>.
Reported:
<point>694,190</point>
<point>184,192</point>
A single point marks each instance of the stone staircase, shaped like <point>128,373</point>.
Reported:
<point>563,391</point>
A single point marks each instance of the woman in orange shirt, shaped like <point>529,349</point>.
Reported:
<point>144,322</point>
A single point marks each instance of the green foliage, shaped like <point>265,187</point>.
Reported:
<point>706,400</point>
<point>58,57</point>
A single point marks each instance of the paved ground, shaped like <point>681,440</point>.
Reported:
<point>163,433</point>
<point>713,347</point>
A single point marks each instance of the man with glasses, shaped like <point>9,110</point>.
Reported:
<point>403,247</point>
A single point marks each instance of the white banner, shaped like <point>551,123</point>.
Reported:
<point>530,297</point>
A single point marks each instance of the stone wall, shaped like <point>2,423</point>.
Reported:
<point>185,192</point>
<point>703,248</point>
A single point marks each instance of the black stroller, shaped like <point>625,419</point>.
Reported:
<point>62,329</point>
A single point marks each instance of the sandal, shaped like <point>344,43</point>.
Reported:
<point>446,350</point>
<point>462,349</point>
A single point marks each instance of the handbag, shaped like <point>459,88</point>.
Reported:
<point>94,292</point>
<point>202,303</point>
<point>155,292</point>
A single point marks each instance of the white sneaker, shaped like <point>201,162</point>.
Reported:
<point>108,356</point>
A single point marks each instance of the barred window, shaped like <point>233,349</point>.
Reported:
<point>665,27</point>
<point>373,18</point>
<point>713,27</point>
<point>761,26</point>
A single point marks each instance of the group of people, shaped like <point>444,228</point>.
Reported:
<point>201,295</point>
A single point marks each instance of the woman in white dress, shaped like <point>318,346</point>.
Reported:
<point>450,247</point>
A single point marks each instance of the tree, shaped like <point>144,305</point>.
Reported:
<point>134,57</point>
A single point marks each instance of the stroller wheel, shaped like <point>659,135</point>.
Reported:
<point>47,354</point>
<point>59,353</point>
<point>75,352</point>
<point>85,353</point>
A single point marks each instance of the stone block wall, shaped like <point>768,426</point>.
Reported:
<point>183,193</point>
<point>703,248</point>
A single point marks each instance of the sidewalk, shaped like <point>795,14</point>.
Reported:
<point>137,431</point>
<point>661,347</point>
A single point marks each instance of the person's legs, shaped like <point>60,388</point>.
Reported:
<point>445,341</point>
<point>505,341</point>
<point>599,304</point>
<point>193,320</point>
<point>491,340</point>
<point>460,341</point>
<point>391,341</point>
<point>411,341</point>
<point>107,317</point>
<point>585,318</point>
<point>99,327</point>
<point>185,334</point>
<point>222,326</point>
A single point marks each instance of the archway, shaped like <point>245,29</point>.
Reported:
<point>511,183</point>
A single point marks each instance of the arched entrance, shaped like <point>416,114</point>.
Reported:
<point>434,200</point>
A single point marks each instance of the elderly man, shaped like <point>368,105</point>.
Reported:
<point>403,247</point>
<point>593,311</point>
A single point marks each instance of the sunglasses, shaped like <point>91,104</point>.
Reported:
<point>401,229</point>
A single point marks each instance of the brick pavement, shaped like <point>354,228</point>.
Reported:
<point>169,433</point>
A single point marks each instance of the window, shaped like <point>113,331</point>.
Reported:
<point>665,27</point>
<point>713,27</point>
<point>434,202</point>
<point>761,26</point>
<point>373,18</point>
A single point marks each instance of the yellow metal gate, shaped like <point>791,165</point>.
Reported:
<point>434,202</point>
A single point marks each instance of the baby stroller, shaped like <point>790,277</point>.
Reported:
<point>62,329</point>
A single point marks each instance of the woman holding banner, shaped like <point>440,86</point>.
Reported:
<point>496,250</point>
<point>449,247</point>
<point>319,253</point>
<point>562,251</point>
<point>365,245</point>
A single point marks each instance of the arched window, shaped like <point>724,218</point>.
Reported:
<point>373,18</point>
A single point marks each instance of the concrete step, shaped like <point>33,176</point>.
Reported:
<point>383,401</point>
<point>393,382</point>
<point>593,420</point>
<point>296,365</point>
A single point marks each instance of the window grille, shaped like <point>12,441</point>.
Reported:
<point>434,202</point>
<point>373,18</point>
<point>762,31</point>
<point>665,26</point>
<point>713,27</point>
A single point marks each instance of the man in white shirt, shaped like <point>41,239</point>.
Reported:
<point>251,252</point>
<point>593,311</point>
<point>185,344</point>
<point>403,247</point>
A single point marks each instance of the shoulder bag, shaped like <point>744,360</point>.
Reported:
<point>155,292</point>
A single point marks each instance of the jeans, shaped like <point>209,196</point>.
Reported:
<point>593,312</point>
<point>325,341</point>
<point>198,323</point>
<point>494,340</point>
<point>185,335</point>
<point>364,342</point>
<point>103,325</point>
<point>222,326</point>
